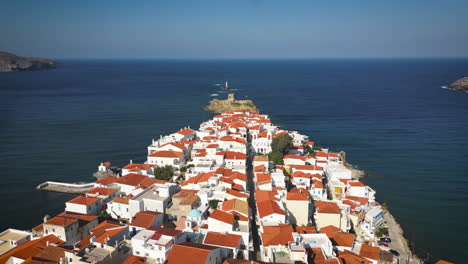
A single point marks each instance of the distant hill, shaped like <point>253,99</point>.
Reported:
<point>460,84</point>
<point>10,62</point>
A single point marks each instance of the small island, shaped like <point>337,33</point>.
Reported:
<point>11,63</point>
<point>231,104</point>
<point>460,84</point>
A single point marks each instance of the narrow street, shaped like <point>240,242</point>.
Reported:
<point>252,205</point>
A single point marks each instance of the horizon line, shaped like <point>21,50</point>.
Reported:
<point>256,58</point>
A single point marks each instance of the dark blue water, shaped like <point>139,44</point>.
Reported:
<point>390,116</point>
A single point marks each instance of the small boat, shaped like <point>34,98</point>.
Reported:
<point>215,94</point>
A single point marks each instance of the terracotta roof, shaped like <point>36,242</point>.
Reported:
<point>321,154</point>
<point>277,235</point>
<point>268,207</point>
<point>222,216</point>
<point>106,164</point>
<point>121,200</point>
<point>231,155</point>
<point>236,193</point>
<point>222,239</point>
<point>68,218</point>
<point>369,252</point>
<point>263,178</point>
<point>261,195</point>
<point>185,131</point>
<point>106,230</point>
<point>51,254</point>
<point>83,200</point>
<point>327,207</point>
<point>290,156</point>
<point>131,179</point>
<point>107,180</point>
<point>343,239</point>
<point>144,219</point>
<point>135,260</point>
<point>30,248</point>
<point>306,167</point>
<point>235,205</point>
<point>166,154</point>
<point>138,166</point>
<point>175,144</point>
<point>165,231</point>
<point>361,200</point>
<point>233,139</point>
<point>298,195</point>
<point>189,253</point>
<point>101,191</point>
<point>349,257</point>
<point>356,184</point>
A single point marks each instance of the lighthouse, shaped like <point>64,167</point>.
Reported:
<point>226,86</point>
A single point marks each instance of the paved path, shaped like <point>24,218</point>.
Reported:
<point>399,243</point>
<point>252,204</point>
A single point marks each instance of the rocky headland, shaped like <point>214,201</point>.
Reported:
<point>460,84</point>
<point>231,104</point>
<point>10,63</point>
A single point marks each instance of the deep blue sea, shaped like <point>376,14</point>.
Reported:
<point>390,116</point>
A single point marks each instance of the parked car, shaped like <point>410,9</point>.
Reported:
<point>394,252</point>
<point>385,240</point>
<point>383,244</point>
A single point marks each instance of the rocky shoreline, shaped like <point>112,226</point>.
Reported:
<point>459,85</point>
<point>231,104</point>
<point>11,63</point>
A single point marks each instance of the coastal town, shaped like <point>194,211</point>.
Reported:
<point>237,190</point>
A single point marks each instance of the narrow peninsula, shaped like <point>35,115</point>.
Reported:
<point>11,63</point>
<point>231,104</point>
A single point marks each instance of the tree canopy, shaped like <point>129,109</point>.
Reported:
<point>282,144</point>
<point>164,173</point>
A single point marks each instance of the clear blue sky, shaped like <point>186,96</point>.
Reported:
<point>235,28</point>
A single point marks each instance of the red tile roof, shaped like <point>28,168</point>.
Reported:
<point>144,219</point>
<point>166,154</point>
<point>185,131</point>
<point>222,216</point>
<point>277,235</point>
<point>135,260</point>
<point>369,252</point>
<point>268,207</point>
<point>83,200</point>
<point>222,239</point>
<point>189,253</point>
<point>132,179</point>
<point>101,191</point>
<point>31,248</point>
<point>107,180</point>
<point>327,207</point>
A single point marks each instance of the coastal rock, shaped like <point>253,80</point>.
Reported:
<point>10,63</point>
<point>231,104</point>
<point>460,84</point>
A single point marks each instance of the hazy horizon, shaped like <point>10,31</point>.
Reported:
<point>245,29</point>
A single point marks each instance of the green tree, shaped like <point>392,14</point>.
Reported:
<point>276,157</point>
<point>103,216</point>
<point>170,225</point>
<point>213,203</point>
<point>317,148</point>
<point>282,144</point>
<point>309,151</point>
<point>164,173</point>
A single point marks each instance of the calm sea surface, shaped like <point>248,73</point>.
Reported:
<point>390,116</point>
